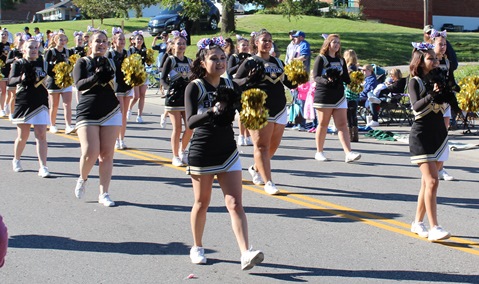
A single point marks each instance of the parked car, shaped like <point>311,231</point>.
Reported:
<point>238,8</point>
<point>250,8</point>
<point>448,27</point>
<point>169,19</point>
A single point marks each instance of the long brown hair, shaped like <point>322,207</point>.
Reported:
<point>417,62</point>
<point>325,48</point>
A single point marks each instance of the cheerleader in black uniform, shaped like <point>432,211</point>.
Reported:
<point>13,55</point>
<point>440,48</point>
<point>174,78</point>
<point>139,92</point>
<point>4,49</point>
<point>267,139</point>
<point>428,137</point>
<point>57,53</point>
<point>234,62</point>
<point>330,72</point>
<point>79,49</point>
<point>124,92</point>
<point>211,102</point>
<point>98,115</point>
<point>31,105</point>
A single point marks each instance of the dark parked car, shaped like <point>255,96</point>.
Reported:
<point>448,27</point>
<point>169,19</point>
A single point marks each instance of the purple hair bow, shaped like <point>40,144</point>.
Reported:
<point>79,33</point>
<point>18,34</point>
<point>183,33</point>
<point>116,30</point>
<point>325,36</point>
<point>135,33</point>
<point>253,34</point>
<point>435,34</point>
<point>91,29</point>
<point>240,38</point>
<point>424,46</point>
<point>205,43</point>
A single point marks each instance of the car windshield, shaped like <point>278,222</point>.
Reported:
<point>169,11</point>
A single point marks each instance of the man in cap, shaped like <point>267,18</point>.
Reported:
<point>290,48</point>
<point>26,31</point>
<point>450,53</point>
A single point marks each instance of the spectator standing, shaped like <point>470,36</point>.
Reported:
<point>351,59</point>
<point>302,52</point>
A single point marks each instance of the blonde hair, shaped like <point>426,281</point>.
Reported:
<point>350,57</point>
<point>396,72</point>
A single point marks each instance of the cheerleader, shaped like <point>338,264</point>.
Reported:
<point>440,48</point>
<point>234,62</point>
<point>79,49</point>
<point>31,105</point>
<point>57,53</point>
<point>139,92</point>
<point>13,55</point>
<point>267,139</point>
<point>428,138</point>
<point>4,49</point>
<point>123,92</point>
<point>330,73</point>
<point>98,115</point>
<point>174,78</point>
<point>211,102</point>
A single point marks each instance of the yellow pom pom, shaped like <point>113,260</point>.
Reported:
<point>254,115</point>
<point>132,67</point>
<point>150,56</point>
<point>63,76</point>
<point>296,73</point>
<point>468,97</point>
<point>357,78</point>
<point>73,58</point>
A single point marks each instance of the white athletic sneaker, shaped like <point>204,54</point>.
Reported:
<point>320,157</point>
<point>241,140</point>
<point>270,188</point>
<point>373,124</point>
<point>374,100</point>
<point>122,145</point>
<point>117,144</point>
<point>162,121</point>
<point>438,233</point>
<point>69,129</point>
<point>80,188</point>
<point>445,176</point>
<point>128,115</point>
<point>139,119</point>
<point>17,167</point>
<point>7,109</point>
<point>176,161</point>
<point>2,113</point>
<point>250,258</point>
<point>53,129</point>
<point>420,229</point>
<point>184,157</point>
<point>352,156</point>
<point>105,200</point>
<point>197,255</point>
<point>248,141</point>
<point>256,177</point>
<point>43,172</point>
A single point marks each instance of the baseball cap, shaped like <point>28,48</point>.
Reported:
<point>292,32</point>
<point>367,67</point>
<point>299,33</point>
<point>163,33</point>
<point>427,29</point>
<point>26,28</point>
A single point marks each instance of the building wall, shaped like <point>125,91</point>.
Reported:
<point>410,13</point>
<point>24,11</point>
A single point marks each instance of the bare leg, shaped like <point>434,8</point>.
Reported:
<point>42,144</point>
<point>90,148</point>
<point>185,139</point>
<point>54,102</point>
<point>3,95</point>
<point>340,118</point>
<point>324,116</point>
<point>202,185</point>
<point>108,134</point>
<point>262,142</point>
<point>431,184</point>
<point>67,107</point>
<point>23,131</point>
<point>175,117</point>
<point>136,96</point>
<point>141,98</point>
<point>124,103</point>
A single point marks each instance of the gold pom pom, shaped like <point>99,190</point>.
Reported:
<point>296,73</point>
<point>357,78</point>
<point>468,97</point>
<point>2,64</point>
<point>150,56</point>
<point>73,58</point>
<point>254,115</point>
<point>132,67</point>
<point>63,77</point>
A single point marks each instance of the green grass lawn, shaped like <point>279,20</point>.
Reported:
<point>382,44</point>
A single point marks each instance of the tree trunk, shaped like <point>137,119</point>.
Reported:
<point>228,17</point>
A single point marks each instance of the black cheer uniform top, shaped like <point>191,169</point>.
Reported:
<point>98,102</point>
<point>120,76</point>
<point>31,95</point>
<point>4,50</point>
<point>272,84</point>
<point>141,52</point>
<point>80,50</point>
<point>12,55</point>
<point>212,147</point>
<point>52,57</point>
<point>428,136</point>
<point>327,94</point>
<point>174,78</point>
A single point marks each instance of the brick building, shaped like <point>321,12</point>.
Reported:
<point>410,13</point>
<point>24,12</point>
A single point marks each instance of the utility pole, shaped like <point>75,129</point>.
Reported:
<point>426,12</point>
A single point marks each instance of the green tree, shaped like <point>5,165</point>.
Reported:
<point>10,4</point>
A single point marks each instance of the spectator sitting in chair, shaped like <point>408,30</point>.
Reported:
<point>370,83</point>
<point>395,85</point>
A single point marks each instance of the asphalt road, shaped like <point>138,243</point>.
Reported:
<point>333,223</point>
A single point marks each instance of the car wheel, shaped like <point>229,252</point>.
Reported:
<point>182,26</point>
<point>213,24</point>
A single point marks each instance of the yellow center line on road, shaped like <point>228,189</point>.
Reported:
<point>317,204</point>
